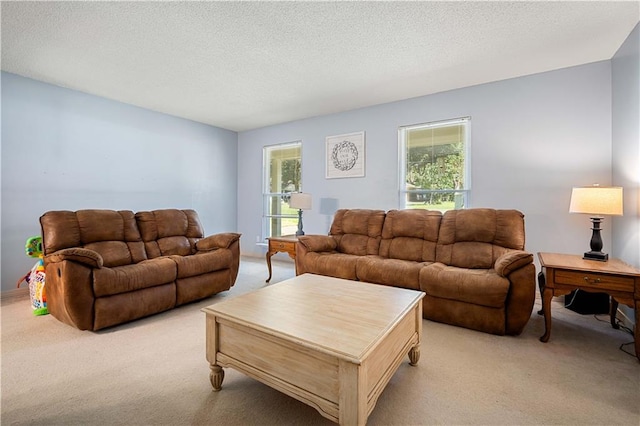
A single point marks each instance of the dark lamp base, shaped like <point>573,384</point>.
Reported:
<point>300,232</point>
<point>596,255</point>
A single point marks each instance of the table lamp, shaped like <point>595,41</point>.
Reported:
<point>300,201</point>
<point>596,201</point>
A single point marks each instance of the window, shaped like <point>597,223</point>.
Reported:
<point>434,165</point>
<point>281,166</point>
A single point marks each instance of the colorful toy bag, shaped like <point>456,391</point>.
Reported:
<point>36,277</point>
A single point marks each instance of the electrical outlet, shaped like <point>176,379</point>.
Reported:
<point>257,238</point>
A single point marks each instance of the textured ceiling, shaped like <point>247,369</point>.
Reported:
<point>245,65</point>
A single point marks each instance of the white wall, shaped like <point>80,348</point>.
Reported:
<point>66,150</point>
<point>626,146</point>
<point>533,138</point>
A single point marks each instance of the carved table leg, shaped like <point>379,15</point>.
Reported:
<point>414,355</point>
<point>613,310</point>
<point>541,283</point>
<point>636,331</point>
<point>269,254</point>
<point>216,376</point>
<point>547,295</point>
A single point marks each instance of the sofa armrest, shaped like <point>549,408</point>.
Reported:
<point>318,243</point>
<point>517,266</point>
<point>217,241</point>
<point>511,261</point>
<point>69,286</point>
<point>87,257</point>
<point>308,244</point>
<point>521,298</point>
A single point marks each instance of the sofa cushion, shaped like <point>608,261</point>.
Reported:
<point>477,286</point>
<point>60,230</point>
<point>357,231</point>
<point>169,232</point>
<point>107,225</point>
<point>112,234</point>
<point>337,265</point>
<point>202,263</point>
<point>114,253</point>
<point>393,272</point>
<point>176,245</point>
<point>476,238</point>
<point>410,235</point>
<point>121,279</point>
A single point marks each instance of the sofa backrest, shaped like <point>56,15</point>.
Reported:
<point>475,238</point>
<point>357,231</point>
<point>170,231</point>
<point>410,235</point>
<point>113,234</point>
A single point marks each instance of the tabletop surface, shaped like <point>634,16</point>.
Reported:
<point>576,262</point>
<point>284,238</point>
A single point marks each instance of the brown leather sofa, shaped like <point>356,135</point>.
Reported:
<point>106,267</point>
<point>470,263</point>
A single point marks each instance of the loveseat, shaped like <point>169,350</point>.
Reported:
<point>470,263</point>
<point>106,267</point>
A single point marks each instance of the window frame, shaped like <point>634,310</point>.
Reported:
<point>267,215</point>
<point>403,192</point>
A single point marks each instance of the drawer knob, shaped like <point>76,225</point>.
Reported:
<point>597,280</point>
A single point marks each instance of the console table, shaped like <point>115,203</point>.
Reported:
<point>280,244</point>
<point>563,273</point>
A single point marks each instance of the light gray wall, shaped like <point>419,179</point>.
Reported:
<point>626,146</point>
<point>625,69</point>
<point>66,150</point>
<point>532,139</point>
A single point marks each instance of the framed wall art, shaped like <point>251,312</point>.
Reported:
<point>345,155</point>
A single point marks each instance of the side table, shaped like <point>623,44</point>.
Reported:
<point>280,244</point>
<point>563,273</point>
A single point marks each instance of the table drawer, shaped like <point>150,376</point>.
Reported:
<point>283,245</point>
<point>594,280</point>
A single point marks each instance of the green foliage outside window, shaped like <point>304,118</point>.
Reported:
<point>435,168</point>
<point>435,165</point>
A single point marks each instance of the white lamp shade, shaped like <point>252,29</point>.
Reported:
<point>300,200</point>
<point>599,200</point>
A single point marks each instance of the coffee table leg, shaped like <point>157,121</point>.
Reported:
<point>414,355</point>
<point>352,406</point>
<point>414,352</point>
<point>216,376</point>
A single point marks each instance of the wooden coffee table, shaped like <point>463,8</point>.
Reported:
<point>333,344</point>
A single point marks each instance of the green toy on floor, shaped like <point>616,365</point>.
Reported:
<point>36,277</point>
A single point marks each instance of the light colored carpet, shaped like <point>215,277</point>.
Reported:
<point>153,372</point>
